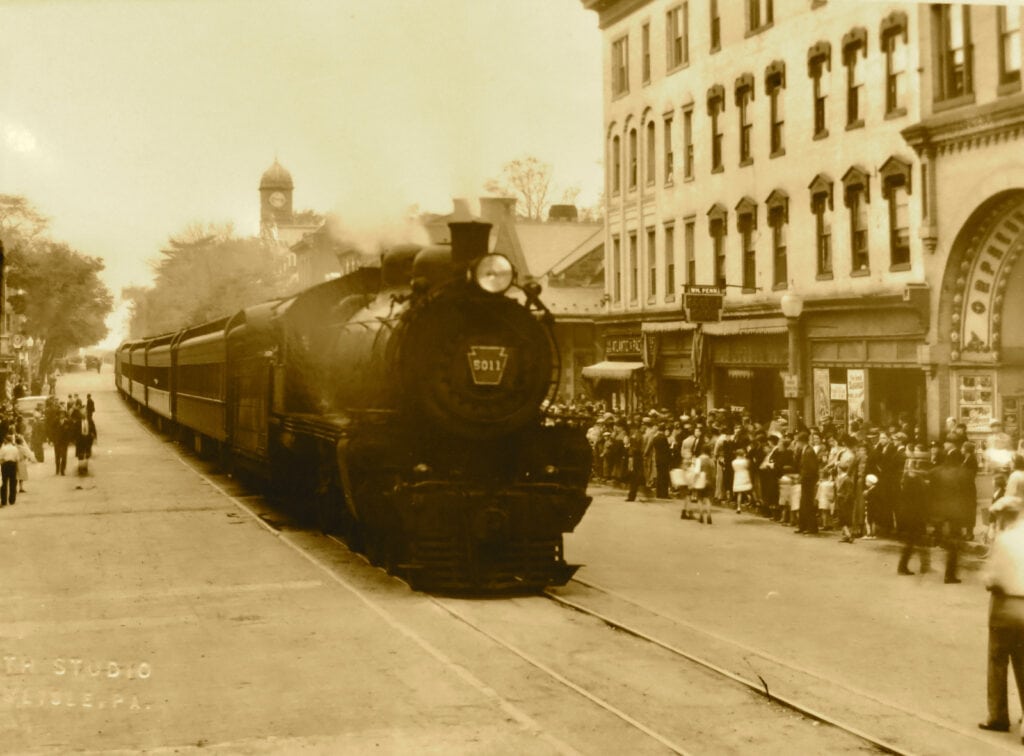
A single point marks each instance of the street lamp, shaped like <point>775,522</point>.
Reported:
<point>792,307</point>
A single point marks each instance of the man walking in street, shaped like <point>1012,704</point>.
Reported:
<point>949,483</point>
<point>1005,580</point>
<point>8,471</point>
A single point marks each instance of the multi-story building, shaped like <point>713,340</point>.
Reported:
<point>841,157</point>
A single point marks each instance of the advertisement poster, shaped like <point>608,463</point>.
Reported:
<point>822,395</point>
<point>855,394</point>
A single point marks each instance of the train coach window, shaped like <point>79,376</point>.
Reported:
<point>201,380</point>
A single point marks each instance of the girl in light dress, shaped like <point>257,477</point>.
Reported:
<point>742,485</point>
<point>24,456</point>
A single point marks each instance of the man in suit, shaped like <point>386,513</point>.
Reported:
<point>807,461</point>
<point>949,483</point>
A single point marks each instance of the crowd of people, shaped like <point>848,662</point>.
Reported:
<point>60,423</point>
<point>862,482</point>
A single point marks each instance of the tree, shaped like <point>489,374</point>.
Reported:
<point>64,302</point>
<point>19,222</point>
<point>529,181</point>
<point>205,273</point>
<point>55,289</point>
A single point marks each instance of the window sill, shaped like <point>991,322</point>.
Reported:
<point>620,95</point>
<point>762,28</point>
<point>748,290</point>
<point>954,102</point>
<point>860,273</point>
<point>818,4</point>
<point>780,286</point>
<point>858,124</point>
<point>670,298</point>
<point>670,182</point>
<point>823,277</point>
<point>677,67</point>
<point>718,169</point>
<point>898,267</point>
<point>895,113</point>
<point>645,83</point>
<point>778,153</point>
<point>1008,88</point>
<point>746,161</point>
<point>715,48</point>
<point>823,134</point>
<point>652,300</point>
<point>688,179</point>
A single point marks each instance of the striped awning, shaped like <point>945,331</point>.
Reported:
<point>667,326</point>
<point>611,370</point>
<point>742,327</point>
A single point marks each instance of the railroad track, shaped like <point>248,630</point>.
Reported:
<point>463,612</point>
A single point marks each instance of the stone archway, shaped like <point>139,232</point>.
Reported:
<point>980,319</point>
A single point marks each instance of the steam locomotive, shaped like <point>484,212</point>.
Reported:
<point>401,406</point>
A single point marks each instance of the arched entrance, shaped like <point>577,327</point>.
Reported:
<point>981,317</point>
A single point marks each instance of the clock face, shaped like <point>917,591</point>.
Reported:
<point>277,199</point>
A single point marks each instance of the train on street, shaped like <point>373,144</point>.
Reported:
<point>399,406</point>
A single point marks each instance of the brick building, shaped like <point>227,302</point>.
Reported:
<point>818,150</point>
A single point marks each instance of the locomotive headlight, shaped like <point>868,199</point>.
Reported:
<point>493,273</point>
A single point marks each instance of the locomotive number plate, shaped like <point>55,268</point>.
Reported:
<point>487,364</point>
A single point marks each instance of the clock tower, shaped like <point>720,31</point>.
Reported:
<point>276,197</point>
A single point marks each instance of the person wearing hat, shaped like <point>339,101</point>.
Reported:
<point>807,462</point>
<point>912,512</point>
<point>872,506</point>
<point>951,487</point>
<point>634,460</point>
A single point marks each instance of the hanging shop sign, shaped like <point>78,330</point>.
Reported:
<point>703,304</point>
<point>790,386</point>
<point>623,344</point>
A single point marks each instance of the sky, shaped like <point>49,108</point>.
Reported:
<point>125,121</point>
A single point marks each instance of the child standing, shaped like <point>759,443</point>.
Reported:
<point>873,505</point>
<point>741,482</point>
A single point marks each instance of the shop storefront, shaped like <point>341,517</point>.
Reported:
<point>619,379</point>
<point>749,359</point>
<point>865,367</point>
<point>667,355</point>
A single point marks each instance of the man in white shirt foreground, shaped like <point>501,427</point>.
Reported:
<point>1005,580</point>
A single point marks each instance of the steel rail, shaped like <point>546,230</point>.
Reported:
<point>759,687</point>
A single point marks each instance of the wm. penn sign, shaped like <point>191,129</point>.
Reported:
<point>703,304</point>
<point>487,363</point>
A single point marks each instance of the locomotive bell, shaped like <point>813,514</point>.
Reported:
<point>469,241</point>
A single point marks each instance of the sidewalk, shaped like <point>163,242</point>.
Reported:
<point>143,609</point>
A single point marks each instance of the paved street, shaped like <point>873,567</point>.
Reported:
<point>144,608</point>
<point>837,612</point>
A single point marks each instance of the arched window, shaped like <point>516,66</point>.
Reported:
<point>821,208</point>
<point>746,224</point>
<point>895,175</point>
<point>778,219</point>
<point>819,68</point>
<point>856,196</point>
<point>649,147</point>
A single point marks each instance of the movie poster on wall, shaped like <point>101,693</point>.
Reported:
<point>822,396</point>
<point>855,395</point>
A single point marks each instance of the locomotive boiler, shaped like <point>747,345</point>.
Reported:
<point>402,404</point>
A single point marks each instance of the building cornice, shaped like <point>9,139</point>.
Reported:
<point>968,128</point>
<point>611,11</point>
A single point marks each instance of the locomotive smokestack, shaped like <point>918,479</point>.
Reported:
<point>469,241</point>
